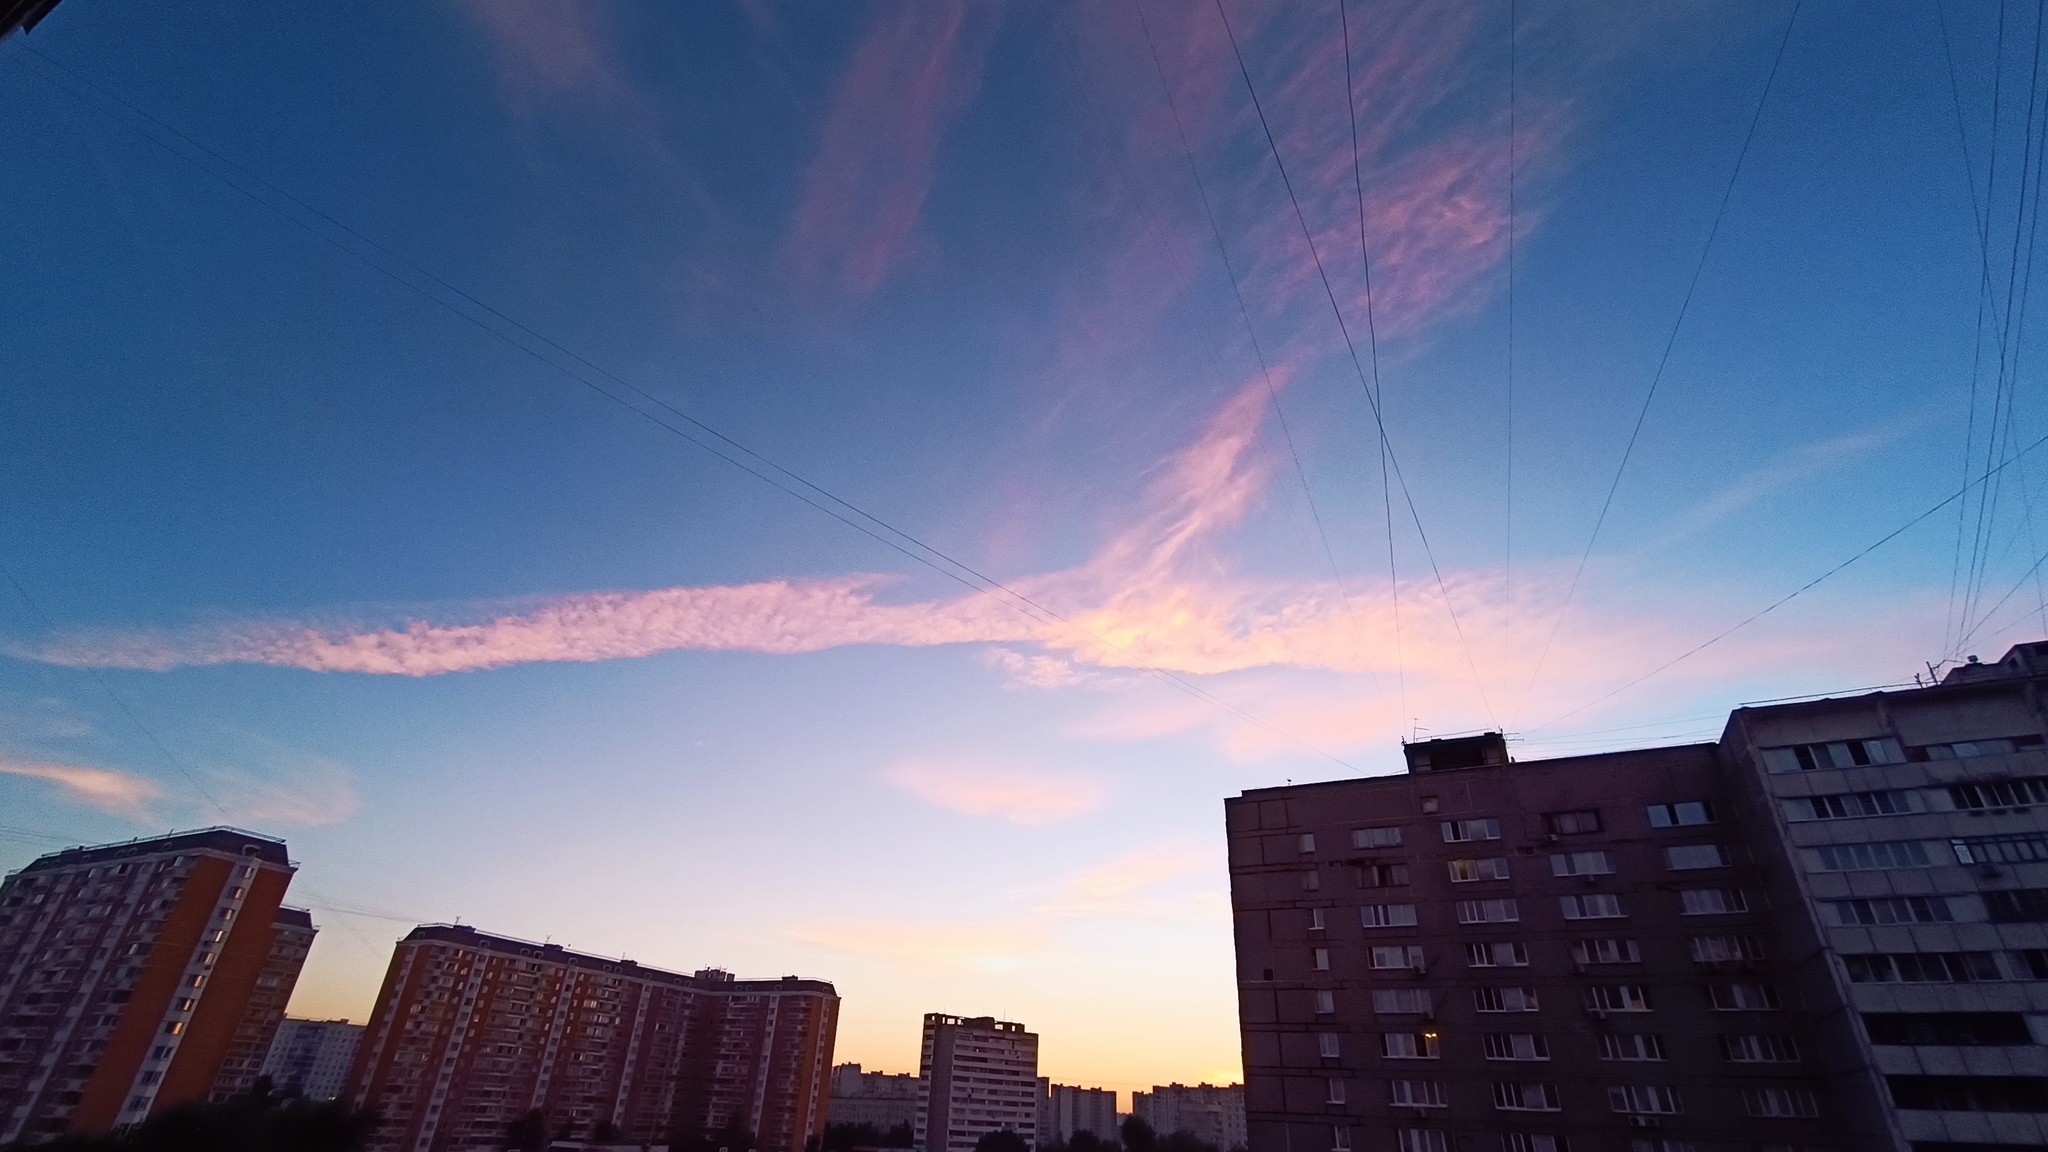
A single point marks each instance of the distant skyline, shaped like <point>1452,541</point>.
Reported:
<point>337,506</point>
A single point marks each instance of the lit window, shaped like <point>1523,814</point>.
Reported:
<point>1490,868</point>
<point>1409,1046</point>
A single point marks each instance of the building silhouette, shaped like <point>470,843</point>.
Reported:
<point>884,1099</point>
<point>312,1057</point>
<point>1829,929</point>
<point>473,1033</point>
<point>137,976</point>
<point>1066,1109</point>
<point>980,1075</point>
<point>1210,1113</point>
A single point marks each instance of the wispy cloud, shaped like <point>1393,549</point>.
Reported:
<point>1129,884</point>
<point>1021,794</point>
<point>915,70</point>
<point>545,48</point>
<point>116,793</point>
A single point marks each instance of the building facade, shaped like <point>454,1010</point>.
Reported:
<point>886,1100</point>
<point>312,1057</point>
<point>472,1033</point>
<point>1066,1109</point>
<point>1210,1113</point>
<point>141,975</point>
<point>1827,930</point>
<point>980,1075</point>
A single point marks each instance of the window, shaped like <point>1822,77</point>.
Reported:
<point>1376,838</point>
<point>1407,956</point>
<point>1401,1001</point>
<point>1333,1091</point>
<point>1513,1097</point>
<point>1957,1029</point>
<point>1501,911</point>
<point>1995,795</point>
<point>1421,1140</point>
<point>1618,998</point>
<point>1742,997</point>
<point>1971,749</point>
<point>1689,1146</point>
<point>1645,1100</point>
<point>1315,920</point>
<point>2001,849</point>
<point>1311,881</point>
<point>1608,951</point>
<point>1459,831</point>
<point>1382,875</point>
<point>1504,1000</point>
<point>1417,1094</point>
<point>1780,1102</point>
<point>1409,1046</point>
<point>1308,841</point>
<point>1840,754</point>
<point>175,1028</point>
<point>1712,901</point>
<point>1891,910</point>
<point>1490,868</point>
<point>1531,1142</point>
<point>1636,1048</point>
<point>1330,1045</point>
<point>1970,1093</point>
<point>1582,864</point>
<point>1326,1002</point>
<point>1683,814</point>
<point>1591,906</point>
<point>1723,949</point>
<point>1849,805</point>
<point>1321,958</point>
<point>1757,1049</point>
<point>2017,905</point>
<point>1685,857</point>
<point>1571,823</point>
<point>1516,1046</point>
<point>1868,857</point>
<point>1923,968</point>
<point>1387,915</point>
<point>1501,954</point>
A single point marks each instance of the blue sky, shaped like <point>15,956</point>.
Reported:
<point>308,531</point>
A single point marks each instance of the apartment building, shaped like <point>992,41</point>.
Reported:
<point>1067,1109</point>
<point>1213,1114</point>
<point>473,1032</point>
<point>141,975</point>
<point>1827,930</point>
<point>980,1075</point>
<point>312,1057</point>
<point>884,1099</point>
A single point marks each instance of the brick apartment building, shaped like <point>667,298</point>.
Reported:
<point>980,1075</point>
<point>473,1032</point>
<point>1828,930</point>
<point>141,975</point>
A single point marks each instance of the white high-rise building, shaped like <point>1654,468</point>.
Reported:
<point>1211,1113</point>
<point>1065,1109</point>
<point>312,1057</point>
<point>980,1075</point>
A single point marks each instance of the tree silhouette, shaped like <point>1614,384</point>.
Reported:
<point>1001,1140</point>
<point>1138,1136</point>
<point>259,1120</point>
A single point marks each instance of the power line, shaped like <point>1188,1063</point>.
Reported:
<point>924,553</point>
<point>1657,377</point>
<point>1801,590</point>
<point>1372,329</point>
<point>1508,466</point>
<point>1371,391</point>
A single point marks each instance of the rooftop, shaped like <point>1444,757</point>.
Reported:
<point>705,979</point>
<point>221,838</point>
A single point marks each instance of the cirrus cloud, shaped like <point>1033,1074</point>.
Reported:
<point>120,794</point>
<point>1018,793</point>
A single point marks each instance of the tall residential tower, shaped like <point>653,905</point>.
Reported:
<point>980,1075</point>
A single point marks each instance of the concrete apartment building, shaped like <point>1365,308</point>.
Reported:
<point>473,1032</point>
<point>1065,1109</point>
<point>884,1099</point>
<point>137,976</point>
<point>1828,930</point>
<point>312,1057</point>
<point>1211,1113</point>
<point>980,1075</point>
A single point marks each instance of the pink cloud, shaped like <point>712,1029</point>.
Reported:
<point>1021,794</point>
<point>117,793</point>
<point>914,72</point>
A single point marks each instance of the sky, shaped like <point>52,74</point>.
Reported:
<point>848,489</point>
